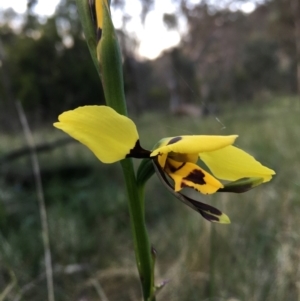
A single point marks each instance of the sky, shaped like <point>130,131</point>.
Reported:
<point>153,36</point>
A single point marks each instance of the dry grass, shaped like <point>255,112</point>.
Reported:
<point>255,258</point>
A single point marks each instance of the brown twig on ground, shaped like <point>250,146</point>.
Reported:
<point>58,270</point>
<point>9,287</point>
<point>41,200</point>
<point>99,290</point>
<point>16,154</point>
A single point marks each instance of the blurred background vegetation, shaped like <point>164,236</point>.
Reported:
<point>232,73</point>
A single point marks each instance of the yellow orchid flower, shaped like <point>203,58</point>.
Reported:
<point>113,137</point>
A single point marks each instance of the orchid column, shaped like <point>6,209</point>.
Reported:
<point>104,48</point>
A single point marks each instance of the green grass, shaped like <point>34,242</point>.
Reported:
<point>255,258</point>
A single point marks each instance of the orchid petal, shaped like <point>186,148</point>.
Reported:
<point>109,135</point>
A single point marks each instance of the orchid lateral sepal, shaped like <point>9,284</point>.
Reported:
<point>232,163</point>
<point>241,185</point>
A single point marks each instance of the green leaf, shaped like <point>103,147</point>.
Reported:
<point>145,171</point>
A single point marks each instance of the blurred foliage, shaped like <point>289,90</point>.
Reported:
<point>254,258</point>
<point>237,55</point>
<point>224,55</point>
<point>47,69</point>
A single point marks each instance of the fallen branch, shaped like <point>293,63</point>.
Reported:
<point>25,151</point>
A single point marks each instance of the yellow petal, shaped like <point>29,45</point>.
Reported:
<point>232,163</point>
<point>99,12</point>
<point>162,160</point>
<point>186,174</point>
<point>109,135</point>
<point>192,144</point>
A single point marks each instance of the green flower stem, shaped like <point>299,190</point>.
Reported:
<point>107,58</point>
<point>138,225</point>
<point>112,79</point>
<point>141,191</point>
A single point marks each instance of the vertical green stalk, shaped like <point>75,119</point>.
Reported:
<point>212,262</point>
<point>109,65</point>
<point>138,225</point>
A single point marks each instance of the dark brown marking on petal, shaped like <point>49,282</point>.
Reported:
<point>174,169</point>
<point>99,34</point>
<point>174,140</point>
<point>138,152</point>
<point>184,185</point>
<point>196,176</point>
